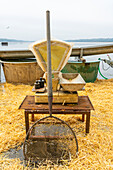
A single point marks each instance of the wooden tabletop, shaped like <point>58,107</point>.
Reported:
<point>84,103</point>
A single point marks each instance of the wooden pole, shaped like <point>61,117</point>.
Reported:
<point>81,56</point>
<point>49,74</point>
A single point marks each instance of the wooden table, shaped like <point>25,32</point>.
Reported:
<point>83,107</point>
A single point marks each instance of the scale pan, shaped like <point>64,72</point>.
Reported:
<point>72,82</point>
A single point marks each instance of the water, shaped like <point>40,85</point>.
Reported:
<point>15,46</point>
<point>25,45</point>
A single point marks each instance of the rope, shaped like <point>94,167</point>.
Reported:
<point>102,74</point>
<point>100,71</point>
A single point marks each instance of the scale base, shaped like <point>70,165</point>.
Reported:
<point>58,97</point>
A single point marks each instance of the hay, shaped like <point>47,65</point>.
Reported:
<point>95,149</point>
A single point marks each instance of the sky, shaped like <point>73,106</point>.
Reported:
<point>70,19</point>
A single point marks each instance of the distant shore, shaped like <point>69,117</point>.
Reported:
<point>71,40</point>
<point>92,40</point>
<point>12,40</point>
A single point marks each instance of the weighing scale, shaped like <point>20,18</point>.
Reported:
<point>64,85</point>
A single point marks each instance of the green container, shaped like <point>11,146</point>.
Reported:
<point>88,70</point>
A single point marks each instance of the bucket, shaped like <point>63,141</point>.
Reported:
<point>88,70</point>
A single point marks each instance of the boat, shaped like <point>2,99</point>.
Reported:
<point>4,43</point>
<point>86,51</point>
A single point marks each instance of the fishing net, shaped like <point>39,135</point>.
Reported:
<point>50,138</point>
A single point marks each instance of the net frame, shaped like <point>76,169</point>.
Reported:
<point>66,151</point>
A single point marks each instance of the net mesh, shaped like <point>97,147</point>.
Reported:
<point>49,139</point>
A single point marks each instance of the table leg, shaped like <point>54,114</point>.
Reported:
<point>32,117</point>
<point>87,121</point>
<point>27,121</point>
<point>83,117</point>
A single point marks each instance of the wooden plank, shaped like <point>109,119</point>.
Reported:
<point>51,137</point>
<point>66,112</point>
